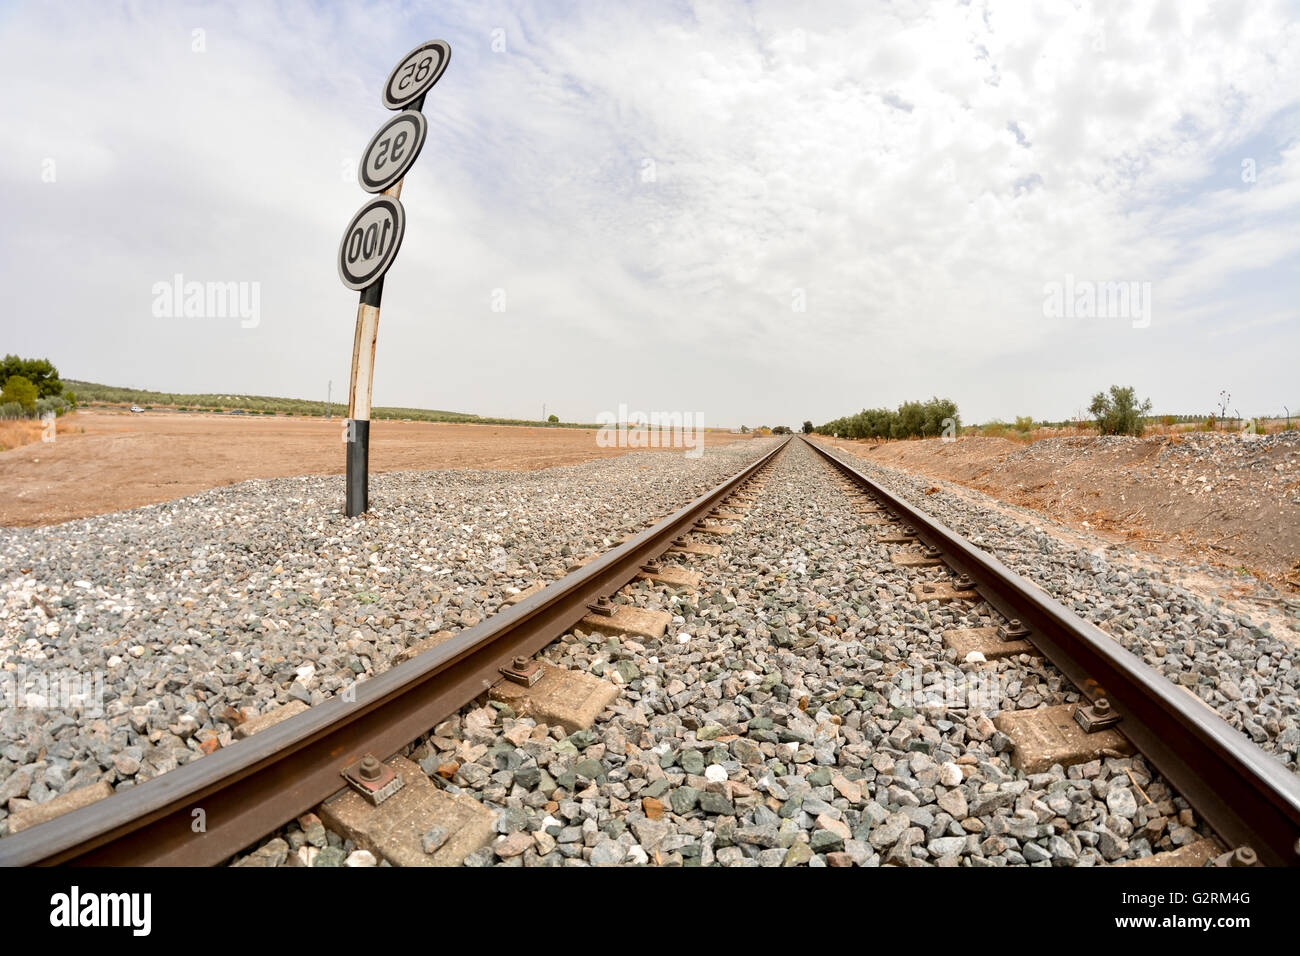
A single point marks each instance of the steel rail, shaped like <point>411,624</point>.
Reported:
<point>1246,796</point>
<point>247,790</point>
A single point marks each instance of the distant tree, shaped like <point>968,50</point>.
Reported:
<point>38,372</point>
<point>781,430</point>
<point>808,428</point>
<point>19,389</point>
<point>744,429</point>
<point>940,414</point>
<point>553,419</point>
<point>1119,413</point>
<point>911,420</point>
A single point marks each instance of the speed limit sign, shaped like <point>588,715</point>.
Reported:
<point>415,73</point>
<point>392,151</point>
<point>370,242</point>
<point>373,236</point>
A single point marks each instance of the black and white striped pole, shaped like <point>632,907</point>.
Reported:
<point>374,235</point>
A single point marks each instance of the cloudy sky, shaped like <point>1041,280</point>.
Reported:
<point>762,212</point>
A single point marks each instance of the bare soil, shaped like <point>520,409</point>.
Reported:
<point>107,461</point>
<point>1213,499</point>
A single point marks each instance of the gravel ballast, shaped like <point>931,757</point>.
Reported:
<point>199,613</point>
<point>800,710</point>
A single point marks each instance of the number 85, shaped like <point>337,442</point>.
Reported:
<point>419,68</point>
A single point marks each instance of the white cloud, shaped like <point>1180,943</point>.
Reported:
<point>917,177</point>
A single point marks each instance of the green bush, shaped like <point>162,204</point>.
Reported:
<point>19,390</point>
<point>1024,423</point>
<point>1119,413</point>
<point>46,405</point>
<point>12,410</point>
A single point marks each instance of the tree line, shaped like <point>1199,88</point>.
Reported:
<point>930,419</point>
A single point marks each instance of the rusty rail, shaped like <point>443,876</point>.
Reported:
<point>1246,796</point>
<point>250,788</point>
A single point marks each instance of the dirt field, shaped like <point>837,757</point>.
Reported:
<point>1212,498</point>
<point>125,461</point>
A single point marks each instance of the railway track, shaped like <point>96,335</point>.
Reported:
<point>1250,801</point>
<point>743,694</point>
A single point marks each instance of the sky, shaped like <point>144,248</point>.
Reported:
<point>758,212</point>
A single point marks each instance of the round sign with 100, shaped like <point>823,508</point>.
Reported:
<point>370,242</point>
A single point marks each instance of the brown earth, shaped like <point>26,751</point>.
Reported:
<point>1211,498</point>
<point>106,461</point>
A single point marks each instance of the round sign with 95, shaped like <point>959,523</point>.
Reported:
<point>370,242</point>
<point>392,151</point>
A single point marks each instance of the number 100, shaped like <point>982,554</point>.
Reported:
<point>368,242</point>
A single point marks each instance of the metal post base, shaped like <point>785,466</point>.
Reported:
<point>358,488</point>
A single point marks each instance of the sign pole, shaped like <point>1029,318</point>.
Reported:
<point>363,379</point>
<point>359,393</point>
<point>372,238</point>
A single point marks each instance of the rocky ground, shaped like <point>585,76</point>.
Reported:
<point>193,615</point>
<point>801,708</point>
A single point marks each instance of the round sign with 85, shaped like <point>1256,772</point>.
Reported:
<point>370,242</point>
<point>392,151</point>
<point>415,73</point>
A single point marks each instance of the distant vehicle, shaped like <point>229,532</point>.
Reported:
<point>136,408</point>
